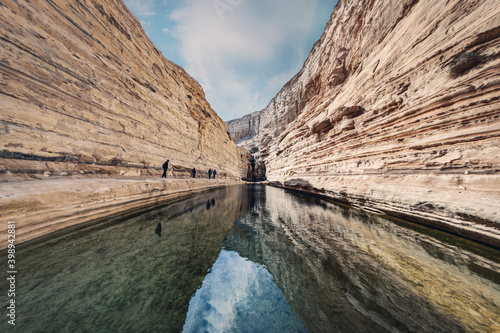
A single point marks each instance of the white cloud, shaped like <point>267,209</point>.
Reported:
<point>239,295</point>
<point>141,7</point>
<point>239,58</point>
<point>241,51</point>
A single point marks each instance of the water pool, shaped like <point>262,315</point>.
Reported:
<point>256,259</point>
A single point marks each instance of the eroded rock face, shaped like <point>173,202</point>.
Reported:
<point>397,108</point>
<point>84,92</point>
<point>189,242</point>
<point>244,128</point>
<point>344,270</point>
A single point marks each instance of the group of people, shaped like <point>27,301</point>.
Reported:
<point>211,173</point>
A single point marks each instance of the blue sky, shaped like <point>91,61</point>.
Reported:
<point>241,51</point>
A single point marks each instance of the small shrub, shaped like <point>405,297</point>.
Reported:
<point>466,62</point>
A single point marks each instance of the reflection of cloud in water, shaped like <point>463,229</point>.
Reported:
<point>239,295</point>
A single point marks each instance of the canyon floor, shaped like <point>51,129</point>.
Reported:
<point>40,207</point>
<point>396,109</point>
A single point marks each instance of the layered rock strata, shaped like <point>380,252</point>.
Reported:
<point>43,207</point>
<point>396,109</point>
<point>343,270</point>
<point>85,93</point>
<point>155,272</point>
<point>244,128</point>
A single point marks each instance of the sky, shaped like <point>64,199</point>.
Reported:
<point>239,295</point>
<point>242,52</point>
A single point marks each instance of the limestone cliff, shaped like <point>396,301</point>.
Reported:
<point>244,128</point>
<point>334,264</point>
<point>84,92</point>
<point>396,108</point>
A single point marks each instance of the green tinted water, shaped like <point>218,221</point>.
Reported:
<point>255,259</point>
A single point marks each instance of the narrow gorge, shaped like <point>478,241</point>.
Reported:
<point>365,197</point>
<point>396,110</point>
<point>90,107</point>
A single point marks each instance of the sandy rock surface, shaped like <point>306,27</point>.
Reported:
<point>397,108</point>
<point>85,93</point>
<point>40,207</point>
<point>89,112</point>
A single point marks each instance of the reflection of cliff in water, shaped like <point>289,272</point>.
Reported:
<point>346,271</point>
<point>124,277</point>
<point>341,270</point>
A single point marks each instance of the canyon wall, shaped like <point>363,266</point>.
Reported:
<point>244,128</point>
<point>334,274</point>
<point>85,93</point>
<point>397,110</point>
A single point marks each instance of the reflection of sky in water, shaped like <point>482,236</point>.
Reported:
<point>239,295</point>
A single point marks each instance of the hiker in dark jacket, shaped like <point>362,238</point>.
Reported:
<point>215,172</point>
<point>194,172</point>
<point>165,168</point>
<point>209,173</point>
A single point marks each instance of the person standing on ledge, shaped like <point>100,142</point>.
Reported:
<point>209,173</point>
<point>215,172</point>
<point>165,168</point>
<point>193,172</point>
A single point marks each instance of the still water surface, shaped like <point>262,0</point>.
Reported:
<point>256,259</point>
